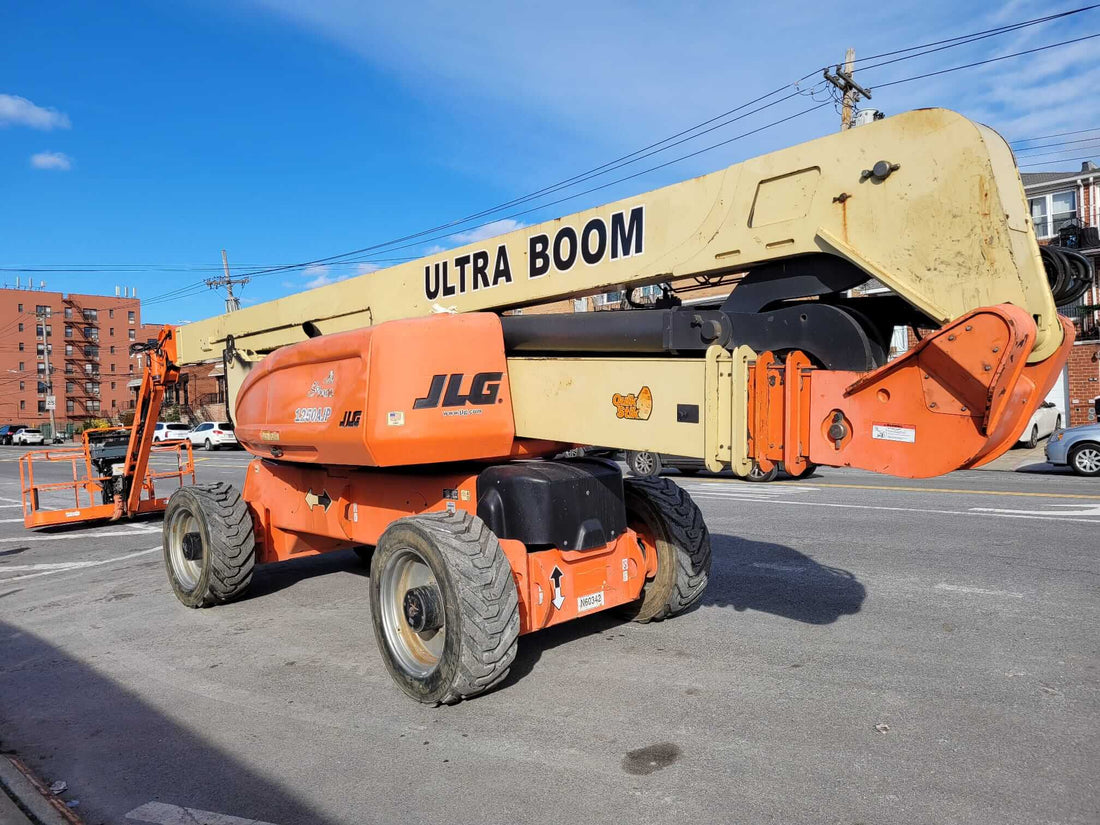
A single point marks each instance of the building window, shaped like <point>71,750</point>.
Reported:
<point>112,332</point>
<point>70,407</point>
<point>68,312</point>
<point>91,315</point>
<point>22,385</point>
<point>91,333</point>
<point>42,388</point>
<point>69,386</point>
<point>90,351</point>
<point>42,311</point>
<point>133,335</point>
<point>112,385</point>
<point>110,313</point>
<point>112,367</point>
<point>20,307</point>
<point>112,350</point>
<point>20,327</point>
<point>41,406</point>
<point>21,346</point>
<point>22,368</point>
<point>1051,212</point>
<point>22,404</point>
<point>131,316</point>
<point>68,331</point>
<point>131,367</point>
<point>68,349</point>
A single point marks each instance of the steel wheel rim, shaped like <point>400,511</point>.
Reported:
<point>644,463</point>
<point>756,472</point>
<point>418,654</point>
<point>1088,460</point>
<point>187,572</point>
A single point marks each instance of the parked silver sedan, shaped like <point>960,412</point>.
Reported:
<point>1078,447</point>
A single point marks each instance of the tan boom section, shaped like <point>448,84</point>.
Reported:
<point>927,202</point>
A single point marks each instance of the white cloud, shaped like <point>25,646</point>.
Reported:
<point>57,161</point>
<point>490,230</point>
<point>18,111</point>
<point>571,96</point>
<point>364,269</point>
<point>321,276</point>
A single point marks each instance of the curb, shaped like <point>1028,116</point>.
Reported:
<point>25,800</point>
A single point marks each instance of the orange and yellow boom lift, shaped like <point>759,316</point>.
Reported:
<point>407,414</point>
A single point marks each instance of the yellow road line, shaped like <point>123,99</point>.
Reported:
<point>813,483</point>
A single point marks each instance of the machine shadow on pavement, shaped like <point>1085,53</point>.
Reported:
<point>773,578</point>
<point>117,752</point>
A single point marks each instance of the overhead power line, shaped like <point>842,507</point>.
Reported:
<point>1056,134</point>
<point>1059,160</point>
<point>987,61</point>
<point>773,98</point>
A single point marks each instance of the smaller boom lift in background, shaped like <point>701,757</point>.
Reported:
<point>114,473</point>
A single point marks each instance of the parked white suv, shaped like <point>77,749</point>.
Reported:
<point>210,435</point>
<point>28,436</point>
<point>169,431</point>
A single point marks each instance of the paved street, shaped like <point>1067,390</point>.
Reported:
<point>870,650</point>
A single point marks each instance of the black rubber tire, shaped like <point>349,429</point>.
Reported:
<point>668,514</point>
<point>762,477</point>
<point>811,468</point>
<point>480,603</point>
<point>641,467</point>
<point>208,446</point>
<point>1033,439</point>
<point>229,544</point>
<point>1076,450</point>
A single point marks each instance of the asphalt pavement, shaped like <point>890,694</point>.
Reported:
<point>870,650</point>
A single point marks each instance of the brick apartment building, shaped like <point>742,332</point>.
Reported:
<point>84,338</point>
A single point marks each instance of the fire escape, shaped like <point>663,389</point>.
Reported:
<point>82,360</point>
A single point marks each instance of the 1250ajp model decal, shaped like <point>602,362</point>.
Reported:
<point>621,236</point>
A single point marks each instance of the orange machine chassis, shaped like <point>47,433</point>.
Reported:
<point>350,507</point>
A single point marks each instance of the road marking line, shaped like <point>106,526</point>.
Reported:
<point>72,566</point>
<point>803,503</point>
<point>979,591</point>
<point>82,535</point>
<point>10,520</point>
<point>964,492</point>
<point>161,813</point>
<point>8,506</point>
<point>1088,511</point>
<point>718,482</point>
<point>2,498</point>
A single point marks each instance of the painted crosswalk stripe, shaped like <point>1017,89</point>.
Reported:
<point>64,567</point>
<point>161,813</point>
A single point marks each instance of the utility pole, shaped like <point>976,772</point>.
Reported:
<point>232,303</point>
<point>851,91</point>
<point>51,398</point>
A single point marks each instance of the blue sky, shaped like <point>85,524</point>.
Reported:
<point>147,135</point>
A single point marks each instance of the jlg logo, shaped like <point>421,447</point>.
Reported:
<point>483,390</point>
<point>351,418</point>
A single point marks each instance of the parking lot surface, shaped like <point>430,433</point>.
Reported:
<point>870,650</point>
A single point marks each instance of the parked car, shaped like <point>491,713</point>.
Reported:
<point>170,431</point>
<point>1079,447</point>
<point>1044,421</point>
<point>210,435</point>
<point>8,431</point>
<point>645,463</point>
<point>27,436</point>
